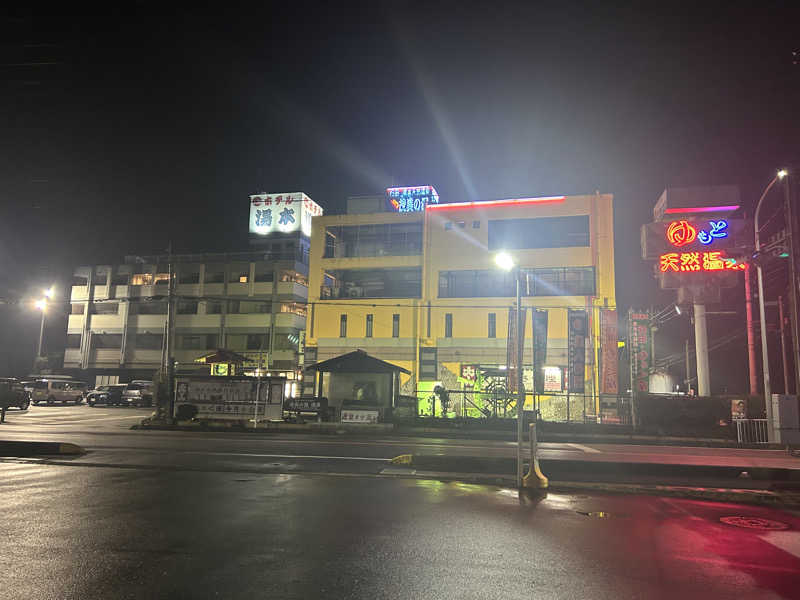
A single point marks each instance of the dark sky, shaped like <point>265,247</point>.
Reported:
<point>154,125</point>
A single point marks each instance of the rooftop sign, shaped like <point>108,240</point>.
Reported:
<point>411,199</point>
<point>283,213</point>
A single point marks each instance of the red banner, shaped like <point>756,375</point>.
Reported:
<point>609,374</point>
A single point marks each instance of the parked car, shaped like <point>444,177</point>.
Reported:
<point>138,393</point>
<point>13,393</point>
<point>110,395</point>
<point>57,390</point>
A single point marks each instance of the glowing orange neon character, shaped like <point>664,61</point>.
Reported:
<point>690,261</point>
<point>669,262</point>
<point>680,233</point>
<point>712,261</point>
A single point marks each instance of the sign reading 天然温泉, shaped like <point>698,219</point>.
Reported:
<point>411,199</point>
<point>284,213</point>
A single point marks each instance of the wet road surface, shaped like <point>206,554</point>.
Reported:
<point>105,532</point>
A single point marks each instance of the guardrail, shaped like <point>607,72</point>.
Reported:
<point>752,431</point>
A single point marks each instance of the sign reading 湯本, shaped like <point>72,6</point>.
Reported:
<point>284,213</point>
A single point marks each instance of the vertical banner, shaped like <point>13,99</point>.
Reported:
<point>539,348</point>
<point>511,348</point>
<point>609,374</point>
<point>578,323</point>
<point>639,350</point>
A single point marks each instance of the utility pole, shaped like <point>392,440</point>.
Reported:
<point>520,383</point>
<point>783,346</point>
<point>701,350</point>
<point>170,336</point>
<point>751,334</point>
<point>791,230</point>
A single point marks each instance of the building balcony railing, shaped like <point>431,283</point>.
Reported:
<point>366,250</point>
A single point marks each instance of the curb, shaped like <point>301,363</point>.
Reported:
<point>9,448</point>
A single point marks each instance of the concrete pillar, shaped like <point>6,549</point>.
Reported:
<point>701,349</point>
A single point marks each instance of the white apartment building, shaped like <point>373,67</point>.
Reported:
<point>253,303</point>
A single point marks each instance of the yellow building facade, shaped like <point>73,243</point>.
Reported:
<point>422,290</point>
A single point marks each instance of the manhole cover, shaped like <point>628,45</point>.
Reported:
<point>755,523</point>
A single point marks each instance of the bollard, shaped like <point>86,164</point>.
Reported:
<point>534,478</point>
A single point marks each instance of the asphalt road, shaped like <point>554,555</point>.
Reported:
<point>72,532</point>
<point>192,515</point>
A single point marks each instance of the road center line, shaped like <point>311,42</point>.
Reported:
<point>586,449</point>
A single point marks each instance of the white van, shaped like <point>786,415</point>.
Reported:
<point>57,390</point>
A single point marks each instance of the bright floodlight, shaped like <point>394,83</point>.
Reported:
<point>50,292</point>
<point>40,304</point>
<point>504,261</point>
<point>782,173</point>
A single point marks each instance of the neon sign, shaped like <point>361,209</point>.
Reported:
<point>688,262</point>
<point>411,199</point>
<point>682,233</point>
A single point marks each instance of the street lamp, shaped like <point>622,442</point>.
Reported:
<point>506,262</point>
<point>780,175</point>
<point>42,306</point>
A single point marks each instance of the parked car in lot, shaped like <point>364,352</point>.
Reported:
<point>110,395</point>
<point>138,393</point>
<point>13,393</point>
<point>57,390</point>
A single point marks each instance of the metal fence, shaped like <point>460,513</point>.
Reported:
<point>751,431</point>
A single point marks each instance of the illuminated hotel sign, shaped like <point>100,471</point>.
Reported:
<point>283,213</point>
<point>682,233</point>
<point>734,236</point>
<point>411,199</point>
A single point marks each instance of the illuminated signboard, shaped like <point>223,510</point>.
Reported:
<point>732,235</point>
<point>284,213</point>
<point>694,262</point>
<point>411,199</point>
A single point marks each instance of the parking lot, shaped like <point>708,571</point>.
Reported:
<point>60,418</point>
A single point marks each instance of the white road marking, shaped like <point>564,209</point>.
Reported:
<point>788,541</point>
<point>286,456</point>
<point>586,449</point>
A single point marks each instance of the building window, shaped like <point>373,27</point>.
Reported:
<point>448,226</point>
<point>148,307</point>
<point>215,274</point>
<point>448,325</point>
<point>492,325</point>
<point>239,274</point>
<point>187,276</point>
<point>107,340</point>
<point>476,224</point>
<point>369,326</point>
<point>233,307</point>
<point>213,308</point>
<point>187,307</point>
<point>76,308</point>
<point>142,279</point>
<point>372,283</point>
<point>294,307</point>
<point>80,280</point>
<point>395,325</point>
<point>197,342</point>
<point>342,326</point>
<point>148,341</point>
<point>256,341</point>
<point>487,283</point>
<point>263,274</point>
<point>461,224</point>
<point>161,278</point>
<point>120,279</point>
<point>544,232</point>
<point>73,340</point>
<point>105,308</point>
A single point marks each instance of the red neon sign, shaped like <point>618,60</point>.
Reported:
<point>680,233</point>
<point>496,203</point>
<point>688,262</point>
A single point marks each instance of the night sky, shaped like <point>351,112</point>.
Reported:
<point>123,131</point>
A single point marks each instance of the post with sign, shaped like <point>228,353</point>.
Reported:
<point>697,247</point>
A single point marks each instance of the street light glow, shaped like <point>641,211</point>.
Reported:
<point>49,292</point>
<point>782,173</point>
<point>40,304</point>
<point>677,309</point>
<point>504,261</point>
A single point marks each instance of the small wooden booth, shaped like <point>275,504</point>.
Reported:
<point>362,388</point>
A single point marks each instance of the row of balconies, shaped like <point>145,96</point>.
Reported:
<point>109,357</point>
<point>285,289</point>
<point>155,323</point>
